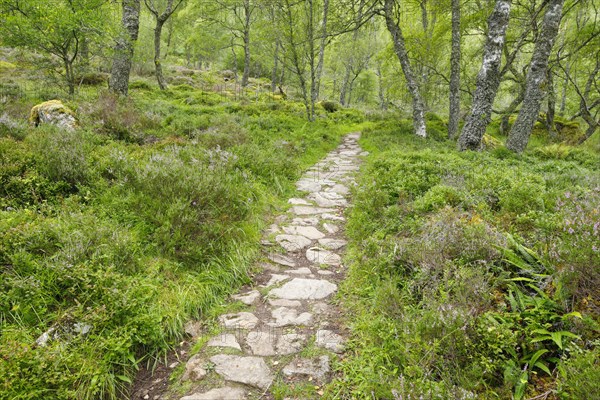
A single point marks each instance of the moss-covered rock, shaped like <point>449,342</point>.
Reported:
<point>53,112</point>
<point>489,142</point>
<point>330,106</point>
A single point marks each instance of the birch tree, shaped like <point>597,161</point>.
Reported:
<point>121,68</point>
<point>454,111</point>
<point>537,81</point>
<point>488,79</point>
<point>393,26</point>
<point>160,17</point>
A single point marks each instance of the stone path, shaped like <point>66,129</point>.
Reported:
<point>283,342</point>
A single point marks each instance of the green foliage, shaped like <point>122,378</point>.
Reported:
<point>145,218</point>
<point>457,285</point>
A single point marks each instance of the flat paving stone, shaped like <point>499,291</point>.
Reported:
<point>306,210</point>
<point>323,201</point>
<point>299,271</point>
<point>248,298</point>
<point>282,260</point>
<point>317,369</point>
<point>242,320</point>
<point>224,340</point>
<point>292,243</point>
<point>224,393</point>
<point>332,244</point>
<point>299,202</point>
<point>340,189</point>
<point>290,316</point>
<point>309,232</point>
<point>308,186</point>
<point>276,278</point>
<point>290,343</point>
<point>329,340</point>
<point>331,228</point>
<point>251,371</point>
<point>284,303</point>
<point>332,217</point>
<point>304,289</point>
<point>308,221</point>
<point>317,255</point>
<point>262,342</point>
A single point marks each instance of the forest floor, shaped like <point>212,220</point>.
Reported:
<point>282,332</point>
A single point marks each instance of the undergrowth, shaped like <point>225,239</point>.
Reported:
<point>115,235</point>
<point>472,275</point>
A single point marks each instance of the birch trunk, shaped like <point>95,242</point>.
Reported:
<point>488,79</point>
<point>121,68</point>
<point>401,53</point>
<point>454,112</point>
<point>247,12</point>
<point>157,60</point>
<point>323,42</point>
<point>536,78</point>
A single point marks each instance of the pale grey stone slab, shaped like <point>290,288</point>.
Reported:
<point>304,289</point>
<point>251,371</point>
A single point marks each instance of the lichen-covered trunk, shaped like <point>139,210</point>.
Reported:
<point>275,67</point>
<point>322,43</point>
<point>411,82</point>
<point>157,58</point>
<point>488,78</point>
<point>551,107</point>
<point>536,78</point>
<point>344,87</point>
<point>454,112</point>
<point>246,74</point>
<point>121,68</point>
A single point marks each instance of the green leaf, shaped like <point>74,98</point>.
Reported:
<point>536,356</point>
<point>124,378</point>
<point>543,367</point>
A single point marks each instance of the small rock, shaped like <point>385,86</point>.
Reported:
<point>242,320</point>
<point>330,341</point>
<point>224,340</point>
<point>308,368</point>
<point>194,369</point>
<point>251,371</point>
<point>173,364</point>
<point>321,308</point>
<point>193,328</point>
